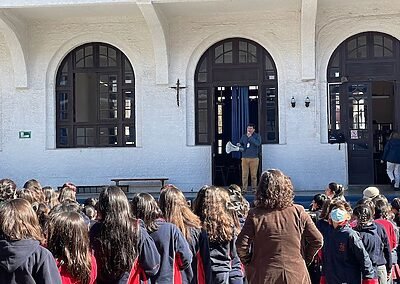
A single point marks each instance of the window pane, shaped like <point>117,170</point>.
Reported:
<point>84,57</point>
<point>85,136</point>
<point>362,40</point>
<point>129,78</point>
<point>108,97</point>
<point>218,52</point>
<point>356,48</point>
<point>129,104</point>
<point>378,51</point>
<point>202,77</point>
<point>129,135</point>
<point>79,59</point>
<point>112,57</point>
<point>242,57</point>
<point>334,119</point>
<point>63,106</point>
<point>227,46</point>
<point>89,56</point>
<point>269,69</point>
<point>268,63</point>
<point>243,46</point>
<point>203,65</point>
<point>202,112</point>
<point>108,135</point>
<point>271,109</point>
<point>85,97</point>
<point>203,120</point>
<point>63,75</point>
<point>108,56</point>
<point>203,138</point>
<point>63,136</point>
<point>252,50</point>
<point>228,57</point>
<point>89,100</point>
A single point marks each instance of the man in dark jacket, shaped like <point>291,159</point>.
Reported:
<point>250,147</point>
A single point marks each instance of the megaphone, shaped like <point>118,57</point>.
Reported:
<point>231,148</point>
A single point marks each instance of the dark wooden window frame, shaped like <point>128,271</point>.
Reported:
<point>345,75</point>
<point>120,122</point>
<point>263,81</point>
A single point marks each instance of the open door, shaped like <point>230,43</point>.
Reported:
<point>358,105</point>
<point>235,107</point>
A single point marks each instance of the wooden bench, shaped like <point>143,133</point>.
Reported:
<point>118,180</point>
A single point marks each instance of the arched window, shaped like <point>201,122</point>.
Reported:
<point>368,56</point>
<point>95,98</point>
<point>229,63</point>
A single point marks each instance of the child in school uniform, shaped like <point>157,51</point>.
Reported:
<point>68,241</point>
<point>219,219</point>
<point>373,243</point>
<point>175,254</point>
<point>176,210</point>
<point>22,258</point>
<point>345,259</point>
<point>118,241</point>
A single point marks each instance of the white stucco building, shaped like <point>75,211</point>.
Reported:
<point>143,132</point>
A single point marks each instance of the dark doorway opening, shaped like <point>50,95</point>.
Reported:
<point>382,122</point>
<point>363,75</point>
<point>235,107</point>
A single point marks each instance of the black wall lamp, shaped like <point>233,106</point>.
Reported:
<point>307,102</point>
<point>293,102</point>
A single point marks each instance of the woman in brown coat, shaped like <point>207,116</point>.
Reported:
<point>270,243</point>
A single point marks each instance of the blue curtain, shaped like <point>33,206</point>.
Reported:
<point>240,114</point>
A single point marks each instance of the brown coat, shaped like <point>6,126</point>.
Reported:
<point>270,245</point>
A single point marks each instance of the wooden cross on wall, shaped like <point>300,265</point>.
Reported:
<point>177,88</point>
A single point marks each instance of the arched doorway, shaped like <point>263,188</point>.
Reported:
<point>363,75</point>
<point>235,83</point>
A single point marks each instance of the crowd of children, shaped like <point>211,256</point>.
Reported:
<point>360,243</point>
<point>46,236</point>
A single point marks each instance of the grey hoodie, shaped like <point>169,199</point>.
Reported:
<point>27,262</point>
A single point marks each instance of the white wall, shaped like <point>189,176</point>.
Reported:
<point>166,132</point>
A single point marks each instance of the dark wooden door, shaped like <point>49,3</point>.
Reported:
<point>358,108</point>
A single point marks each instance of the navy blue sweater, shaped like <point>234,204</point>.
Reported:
<point>27,262</point>
<point>148,256</point>
<point>391,152</point>
<point>224,259</point>
<point>200,249</point>
<point>170,242</point>
<point>250,145</point>
<point>374,245</point>
<point>345,259</point>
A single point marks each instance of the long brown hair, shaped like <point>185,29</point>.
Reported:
<point>67,194</point>
<point>218,217</point>
<point>275,190</point>
<point>119,234</point>
<point>68,240</point>
<point>145,207</point>
<point>18,221</point>
<point>176,210</point>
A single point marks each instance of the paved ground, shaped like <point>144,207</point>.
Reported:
<point>352,195</point>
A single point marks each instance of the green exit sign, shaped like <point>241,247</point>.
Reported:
<point>24,135</point>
